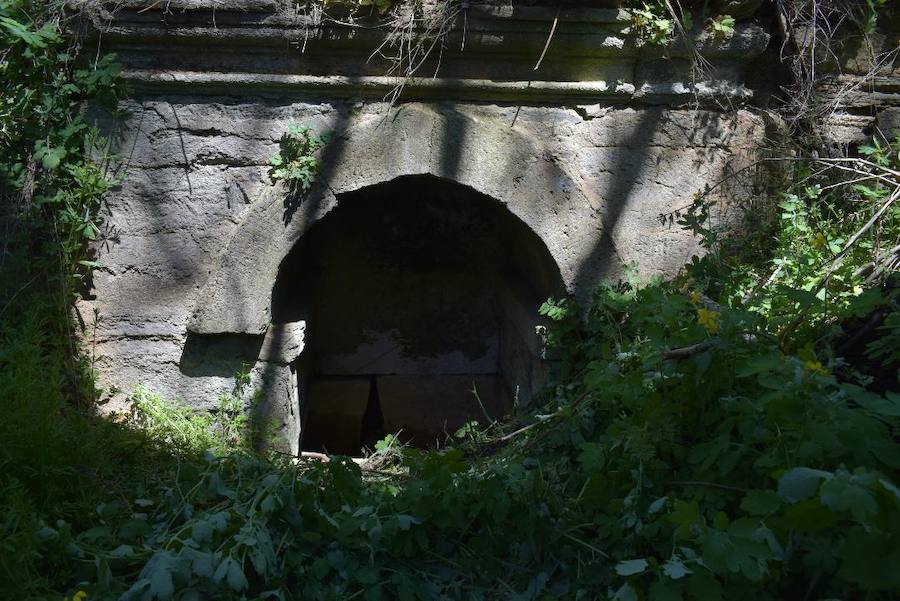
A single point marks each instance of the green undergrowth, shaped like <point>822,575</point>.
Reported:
<point>697,444</point>
<point>53,453</point>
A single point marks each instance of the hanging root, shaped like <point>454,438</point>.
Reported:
<point>417,30</point>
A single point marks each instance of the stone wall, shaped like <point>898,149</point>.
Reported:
<point>583,155</point>
<point>857,93</point>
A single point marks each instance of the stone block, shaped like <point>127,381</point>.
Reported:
<point>425,409</point>
<point>889,122</point>
<point>283,342</point>
<point>334,409</point>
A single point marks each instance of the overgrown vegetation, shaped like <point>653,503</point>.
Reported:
<point>52,459</point>
<point>729,434</point>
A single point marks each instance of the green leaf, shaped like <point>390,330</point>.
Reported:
<point>661,591</point>
<point>870,559</point>
<point>161,585</point>
<point>846,493</point>
<point>405,521</point>
<point>236,579</point>
<point>657,505</point>
<point>26,34</point>
<point>887,405</point>
<point>122,551</point>
<point>202,531</point>
<point>592,456</point>
<point>51,159</point>
<point>761,502</point>
<point>675,569</point>
<point>625,593</point>
<point>810,516</point>
<point>231,572</point>
<point>202,564</point>
<point>760,364</point>
<point>684,513</point>
<point>367,575</point>
<point>631,567</point>
<point>800,483</point>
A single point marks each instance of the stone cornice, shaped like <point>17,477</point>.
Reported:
<point>246,47</point>
<point>267,84</point>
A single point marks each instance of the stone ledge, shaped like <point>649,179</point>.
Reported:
<point>249,47</point>
<point>337,86</point>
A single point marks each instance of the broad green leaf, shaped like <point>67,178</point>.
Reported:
<point>684,513</point>
<point>202,531</point>
<point>870,559</point>
<point>51,159</point>
<point>661,591</point>
<point>236,579</point>
<point>625,593</point>
<point>675,569</point>
<point>161,585</point>
<point>761,502</point>
<point>631,567</point>
<point>657,505</point>
<point>405,521</point>
<point>800,483</point>
<point>887,405</point>
<point>591,457</point>
<point>122,551</point>
<point>845,493</point>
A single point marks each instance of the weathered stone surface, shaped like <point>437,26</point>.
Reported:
<point>196,245</point>
<point>858,78</point>
<point>283,342</point>
<point>583,154</point>
<point>580,172</point>
<point>888,122</point>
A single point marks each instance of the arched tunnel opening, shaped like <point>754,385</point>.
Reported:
<point>420,299</point>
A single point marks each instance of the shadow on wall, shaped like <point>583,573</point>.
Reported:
<point>424,277</point>
<point>220,355</point>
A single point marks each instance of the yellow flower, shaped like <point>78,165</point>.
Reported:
<point>695,297</point>
<point>815,367</point>
<point>709,320</point>
<point>819,241</point>
<point>79,596</point>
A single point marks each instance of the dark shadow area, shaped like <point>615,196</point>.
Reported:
<point>329,157</point>
<point>421,299</point>
<point>221,355</point>
<point>452,140</point>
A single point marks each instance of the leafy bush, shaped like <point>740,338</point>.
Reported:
<point>54,459</point>
<point>685,456</point>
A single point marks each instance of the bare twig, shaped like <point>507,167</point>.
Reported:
<point>855,238</point>
<point>559,412</point>
<point>707,485</point>
<point>549,37</point>
<point>686,351</point>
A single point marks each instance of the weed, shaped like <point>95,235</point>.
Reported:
<point>296,163</point>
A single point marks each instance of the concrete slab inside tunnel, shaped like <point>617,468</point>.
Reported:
<point>413,291</point>
<point>348,414</point>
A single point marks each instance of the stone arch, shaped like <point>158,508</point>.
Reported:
<point>411,294</point>
<point>487,157</point>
